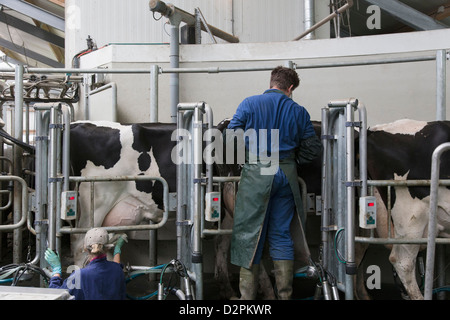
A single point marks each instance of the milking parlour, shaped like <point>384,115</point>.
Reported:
<point>135,167</point>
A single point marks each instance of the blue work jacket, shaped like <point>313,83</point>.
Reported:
<point>99,280</point>
<point>274,110</point>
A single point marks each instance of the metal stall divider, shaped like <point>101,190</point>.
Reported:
<point>338,188</point>
<point>190,185</point>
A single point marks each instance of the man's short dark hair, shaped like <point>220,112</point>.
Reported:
<point>283,78</point>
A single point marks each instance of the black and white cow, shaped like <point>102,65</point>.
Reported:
<point>403,150</point>
<point>112,149</point>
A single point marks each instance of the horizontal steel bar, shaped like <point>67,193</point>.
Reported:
<point>233,69</point>
<point>399,240</point>
<point>124,178</point>
<point>410,183</point>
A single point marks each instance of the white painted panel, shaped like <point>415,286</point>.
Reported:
<point>118,21</point>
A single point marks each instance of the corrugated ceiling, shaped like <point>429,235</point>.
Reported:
<point>32,31</point>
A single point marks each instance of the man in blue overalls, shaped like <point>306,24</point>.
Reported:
<point>267,199</point>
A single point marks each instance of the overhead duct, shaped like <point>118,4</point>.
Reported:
<point>169,10</point>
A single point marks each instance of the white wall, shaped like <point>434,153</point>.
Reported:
<point>118,21</point>
<point>389,91</point>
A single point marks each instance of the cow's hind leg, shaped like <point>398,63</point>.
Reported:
<point>359,289</point>
<point>403,258</point>
<point>221,272</point>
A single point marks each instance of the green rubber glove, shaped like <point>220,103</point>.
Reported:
<point>53,260</point>
<point>122,239</point>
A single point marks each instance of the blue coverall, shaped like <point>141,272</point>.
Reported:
<point>99,280</point>
<point>274,110</point>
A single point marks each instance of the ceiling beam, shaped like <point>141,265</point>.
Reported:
<point>30,29</point>
<point>35,13</point>
<point>57,51</point>
<point>30,54</point>
<point>409,16</point>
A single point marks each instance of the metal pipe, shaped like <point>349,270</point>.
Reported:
<point>308,7</point>
<point>383,241</point>
<point>67,114</point>
<point>209,162</point>
<point>153,118</point>
<point>181,209</point>
<point>174,63</point>
<point>330,118</point>
<point>86,97</point>
<point>432,221</point>
<point>53,176</point>
<point>154,78</point>
<point>363,148</point>
<point>17,158</point>
<point>42,126</point>
<point>23,208</point>
<point>348,5</point>
<point>229,69</point>
<point>350,265</point>
<point>198,28</point>
<point>441,78</point>
<point>405,183</point>
<point>197,255</point>
<point>325,184</point>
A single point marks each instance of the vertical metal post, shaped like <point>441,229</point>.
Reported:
<point>42,122</point>
<point>431,243</point>
<point>350,266</point>
<point>198,27</point>
<point>441,114</point>
<point>325,185</point>
<point>18,134</point>
<point>209,166</point>
<point>363,148</point>
<point>154,78</point>
<point>174,63</point>
<point>441,75</point>
<point>197,256</point>
<point>152,234</point>
<point>308,7</point>
<point>52,181</point>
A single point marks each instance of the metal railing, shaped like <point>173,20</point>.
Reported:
<point>398,183</point>
<point>66,230</point>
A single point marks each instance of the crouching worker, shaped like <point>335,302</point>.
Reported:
<point>100,279</point>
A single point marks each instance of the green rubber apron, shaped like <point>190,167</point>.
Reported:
<point>250,210</point>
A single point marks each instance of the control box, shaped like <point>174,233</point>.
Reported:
<point>212,206</point>
<point>367,212</point>
<point>69,205</point>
